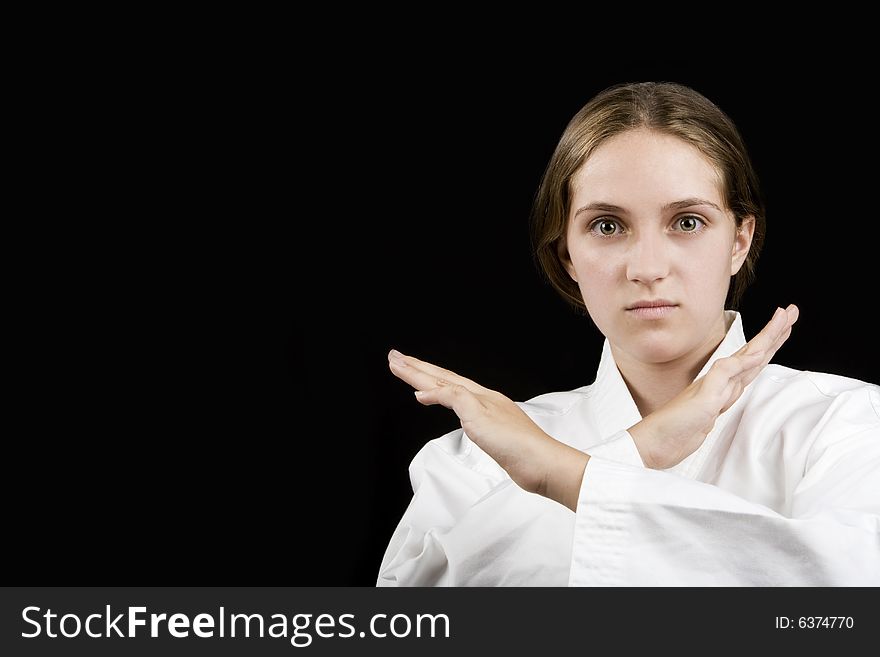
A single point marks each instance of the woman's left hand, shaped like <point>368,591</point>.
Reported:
<point>500,427</point>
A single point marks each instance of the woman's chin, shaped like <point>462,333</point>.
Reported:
<point>655,349</point>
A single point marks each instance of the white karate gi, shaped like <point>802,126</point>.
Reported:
<point>785,490</point>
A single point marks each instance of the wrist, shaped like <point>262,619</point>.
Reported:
<point>646,443</point>
<point>563,473</point>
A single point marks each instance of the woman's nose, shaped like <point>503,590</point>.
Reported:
<point>648,260</point>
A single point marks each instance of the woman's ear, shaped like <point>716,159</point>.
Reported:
<point>565,258</point>
<point>742,242</point>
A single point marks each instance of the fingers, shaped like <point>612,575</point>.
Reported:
<point>782,321</point>
<point>790,316</point>
<point>758,353</point>
<point>422,375</point>
<point>771,335</point>
<point>748,362</point>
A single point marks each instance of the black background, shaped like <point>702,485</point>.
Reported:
<point>236,247</point>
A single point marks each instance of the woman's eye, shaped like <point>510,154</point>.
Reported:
<point>605,227</point>
<point>690,224</point>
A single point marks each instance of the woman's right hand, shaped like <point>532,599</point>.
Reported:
<point>672,433</point>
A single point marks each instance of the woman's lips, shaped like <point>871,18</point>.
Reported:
<point>653,312</point>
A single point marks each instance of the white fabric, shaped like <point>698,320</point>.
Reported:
<point>785,490</point>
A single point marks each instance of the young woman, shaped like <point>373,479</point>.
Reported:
<point>690,460</point>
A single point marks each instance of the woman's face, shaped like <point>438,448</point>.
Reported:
<point>649,222</point>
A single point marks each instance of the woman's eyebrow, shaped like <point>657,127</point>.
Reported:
<point>675,205</point>
<point>689,202</point>
<point>600,205</point>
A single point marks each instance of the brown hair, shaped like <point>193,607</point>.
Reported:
<point>665,107</point>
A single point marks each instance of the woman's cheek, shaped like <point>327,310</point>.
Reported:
<point>599,269</point>
<point>596,282</point>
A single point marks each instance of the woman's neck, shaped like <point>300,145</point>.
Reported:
<point>653,384</point>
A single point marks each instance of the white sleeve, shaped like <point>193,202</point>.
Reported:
<point>448,477</point>
<point>618,447</point>
<point>641,527</point>
<point>469,524</point>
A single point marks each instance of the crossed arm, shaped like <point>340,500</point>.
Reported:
<point>540,464</point>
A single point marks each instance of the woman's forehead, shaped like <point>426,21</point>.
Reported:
<point>646,165</point>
